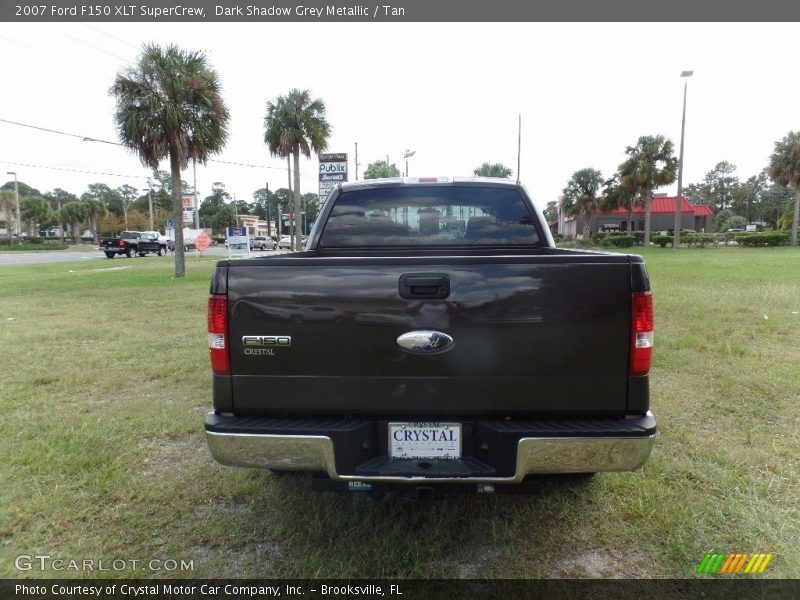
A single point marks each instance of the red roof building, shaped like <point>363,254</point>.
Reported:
<point>697,217</point>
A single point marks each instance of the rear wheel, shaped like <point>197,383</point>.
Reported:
<point>186,248</point>
<point>110,254</point>
<point>129,253</point>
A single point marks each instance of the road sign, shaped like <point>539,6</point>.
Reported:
<point>169,224</point>
<point>202,241</point>
<point>332,171</point>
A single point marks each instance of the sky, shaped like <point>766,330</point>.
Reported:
<point>453,93</point>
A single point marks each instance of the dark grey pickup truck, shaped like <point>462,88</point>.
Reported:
<point>431,336</point>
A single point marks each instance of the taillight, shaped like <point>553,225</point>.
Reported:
<point>641,332</point>
<point>218,334</point>
<point>122,243</point>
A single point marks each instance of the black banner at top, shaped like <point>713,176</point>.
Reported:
<point>395,11</point>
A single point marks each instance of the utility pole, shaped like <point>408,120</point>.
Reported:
<point>196,208</point>
<point>292,216</point>
<point>16,197</point>
<point>269,218</point>
<point>519,145</point>
<point>676,234</point>
<point>60,220</point>
<point>150,202</point>
<point>356,161</point>
<point>406,155</point>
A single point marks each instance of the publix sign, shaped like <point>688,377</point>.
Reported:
<point>332,171</point>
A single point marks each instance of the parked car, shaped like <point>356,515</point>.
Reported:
<point>260,242</point>
<point>285,242</point>
<point>130,243</point>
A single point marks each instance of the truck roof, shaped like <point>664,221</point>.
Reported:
<point>393,181</point>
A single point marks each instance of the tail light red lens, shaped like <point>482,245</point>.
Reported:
<point>218,334</point>
<point>641,332</point>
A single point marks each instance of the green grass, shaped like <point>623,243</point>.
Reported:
<point>105,383</point>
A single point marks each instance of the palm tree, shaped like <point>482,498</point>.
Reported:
<point>495,170</point>
<point>169,104</point>
<point>293,124</point>
<point>784,169</point>
<point>581,197</point>
<point>36,210</point>
<point>650,165</point>
<point>94,209</point>
<point>621,193</point>
<point>75,214</point>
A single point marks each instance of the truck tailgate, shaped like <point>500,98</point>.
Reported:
<point>531,335</point>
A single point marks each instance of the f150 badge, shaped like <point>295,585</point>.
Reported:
<point>264,345</point>
<point>425,341</point>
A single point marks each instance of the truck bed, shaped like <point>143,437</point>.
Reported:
<point>537,333</point>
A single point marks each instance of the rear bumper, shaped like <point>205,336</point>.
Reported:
<point>495,452</point>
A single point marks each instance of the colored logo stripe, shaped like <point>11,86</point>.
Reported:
<point>734,562</point>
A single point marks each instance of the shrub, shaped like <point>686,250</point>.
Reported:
<point>762,239</point>
<point>622,241</point>
<point>662,240</point>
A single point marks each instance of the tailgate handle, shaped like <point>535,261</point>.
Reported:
<point>424,285</point>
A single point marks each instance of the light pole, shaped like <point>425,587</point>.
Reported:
<point>676,234</point>
<point>16,198</point>
<point>407,154</point>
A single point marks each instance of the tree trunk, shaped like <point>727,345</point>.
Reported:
<point>298,232</point>
<point>793,240</point>
<point>630,217</point>
<point>647,220</point>
<point>177,211</point>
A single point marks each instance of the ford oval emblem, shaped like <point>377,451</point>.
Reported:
<point>425,342</point>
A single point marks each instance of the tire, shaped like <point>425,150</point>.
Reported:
<point>130,254</point>
<point>186,248</point>
<point>110,254</point>
<point>162,251</point>
<point>142,253</point>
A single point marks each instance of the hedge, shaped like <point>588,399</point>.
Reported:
<point>762,239</point>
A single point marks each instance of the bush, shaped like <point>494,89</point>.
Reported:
<point>557,237</point>
<point>622,241</point>
<point>762,239</point>
<point>662,240</point>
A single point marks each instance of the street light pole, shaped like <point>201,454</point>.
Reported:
<point>676,234</point>
<point>408,154</point>
<point>16,198</point>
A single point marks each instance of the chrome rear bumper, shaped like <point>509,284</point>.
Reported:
<point>534,456</point>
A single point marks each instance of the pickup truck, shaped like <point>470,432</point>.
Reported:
<point>453,347</point>
<point>130,243</point>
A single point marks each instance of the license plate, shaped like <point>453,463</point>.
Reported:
<point>425,440</point>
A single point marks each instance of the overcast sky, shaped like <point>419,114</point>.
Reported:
<point>451,92</point>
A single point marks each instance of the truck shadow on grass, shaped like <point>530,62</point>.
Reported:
<point>319,534</point>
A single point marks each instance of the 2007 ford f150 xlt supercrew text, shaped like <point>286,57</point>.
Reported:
<point>431,335</point>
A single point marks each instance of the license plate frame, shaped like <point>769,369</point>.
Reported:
<point>442,441</point>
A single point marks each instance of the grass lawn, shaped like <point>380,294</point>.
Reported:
<point>105,383</point>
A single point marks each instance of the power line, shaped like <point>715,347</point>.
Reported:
<point>98,48</point>
<point>113,37</point>
<point>91,139</point>
<point>19,164</point>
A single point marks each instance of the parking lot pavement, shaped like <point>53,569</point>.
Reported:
<point>86,252</point>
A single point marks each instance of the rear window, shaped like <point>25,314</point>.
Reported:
<point>436,215</point>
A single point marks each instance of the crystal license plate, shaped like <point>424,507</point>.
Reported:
<point>425,440</point>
